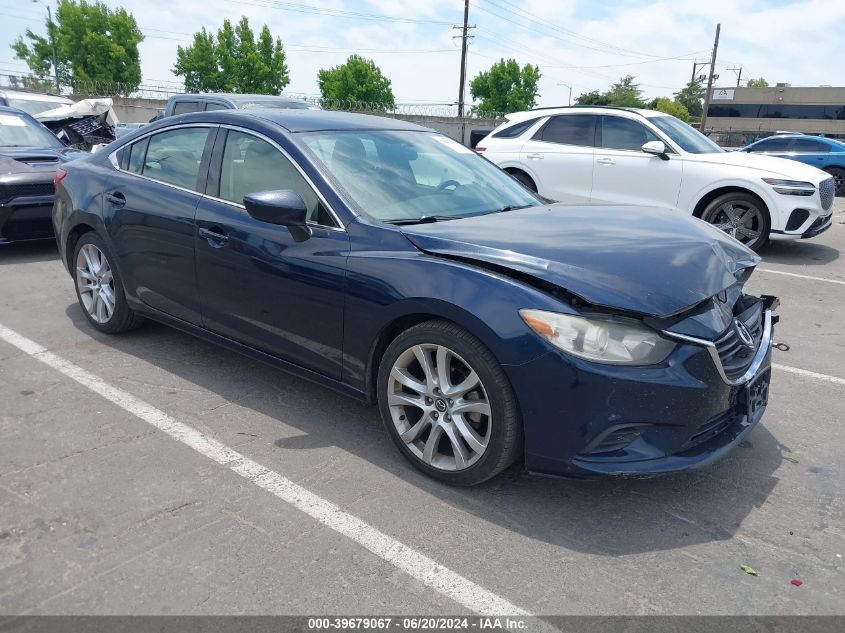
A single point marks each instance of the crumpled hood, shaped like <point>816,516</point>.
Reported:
<point>651,261</point>
<point>790,169</point>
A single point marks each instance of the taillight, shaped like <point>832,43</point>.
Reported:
<point>480,149</point>
<point>58,177</point>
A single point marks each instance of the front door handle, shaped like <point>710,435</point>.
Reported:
<point>215,235</point>
<point>605,161</point>
<point>534,156</point>
<point>116,199</point>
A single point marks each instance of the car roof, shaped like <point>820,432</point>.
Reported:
<point>237,97</point>
<point>11,110</point>
<point>586,109</point>
<point>34,96</point>
<point>301,120</point>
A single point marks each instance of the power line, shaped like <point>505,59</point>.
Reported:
<point>338,13</point>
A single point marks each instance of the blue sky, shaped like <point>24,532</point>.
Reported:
<point>586,44</point>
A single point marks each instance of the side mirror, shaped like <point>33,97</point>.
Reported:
<point>284,207</point>
<point>657,148</point>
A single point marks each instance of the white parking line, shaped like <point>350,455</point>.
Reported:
<point>809,374</point>
<point>419,566</point>
<point>780,272</point>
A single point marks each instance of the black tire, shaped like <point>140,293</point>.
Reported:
<point>505,440</point>
<point>122,318</point>
<point>838,179</point>
<point>761,224</point>
<point>525,180</point>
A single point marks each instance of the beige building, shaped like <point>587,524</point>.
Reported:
<point>758,112</point>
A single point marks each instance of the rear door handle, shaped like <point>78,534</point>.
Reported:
<point>115,198</point>
<point>215,236</point>
<point>534,156</point>
<point>605,161</point>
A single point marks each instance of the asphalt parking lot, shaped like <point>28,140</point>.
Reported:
<point>103,512</point>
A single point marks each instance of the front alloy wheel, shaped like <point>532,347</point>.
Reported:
<point>448,405</point>
<point>742,216</point>
<point>95,281</point>
<point>439,407</point>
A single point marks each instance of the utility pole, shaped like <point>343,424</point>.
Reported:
<point>709,94</point>
<point>738,75</point>
<point>52,43</point>
<point>464,30</point>
<point>570,90</point>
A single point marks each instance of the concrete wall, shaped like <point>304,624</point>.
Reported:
<point>142,110</point>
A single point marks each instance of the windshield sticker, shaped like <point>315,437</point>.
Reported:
<point>6,119</point>
<point>445,140</point>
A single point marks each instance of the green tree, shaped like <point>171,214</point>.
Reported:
<point>665,104</point>
<point>625,93</point>
<point>234,61</point>
<point>594,97</point>
<point>356,83</point>
<point>758,83</point>
<point>94,45</point>
<point>691,97</point>
<point>506,87</point>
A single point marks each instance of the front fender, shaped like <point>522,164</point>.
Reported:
<point>389,287</point>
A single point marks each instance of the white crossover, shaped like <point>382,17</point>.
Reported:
<point>606,155</point>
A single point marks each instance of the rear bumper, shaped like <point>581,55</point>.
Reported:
<point>582,419</point>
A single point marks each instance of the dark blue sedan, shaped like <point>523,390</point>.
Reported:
<point>395,265</point>
<point>825,153</point>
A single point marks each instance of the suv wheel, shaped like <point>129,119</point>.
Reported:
<point>448,405</point>
<point>743,216</point>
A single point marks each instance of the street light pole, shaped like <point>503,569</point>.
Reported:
<point>570,90</point>
<point>52,43</point>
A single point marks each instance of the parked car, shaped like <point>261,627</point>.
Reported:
<point>32,102</point>
<point>397,266</point>
<point>825,153</point>
<point>183,104</point>
<point>29,155</point>
<point>624,155</point>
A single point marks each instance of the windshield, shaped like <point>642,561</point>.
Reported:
<point>34,107</point>
<point>399,176</point>
<point>685,136</point>
<point>18,131</point>
<point>272,104</point>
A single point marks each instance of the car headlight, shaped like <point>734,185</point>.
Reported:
<point>603,339</point>
<point>791,187</point>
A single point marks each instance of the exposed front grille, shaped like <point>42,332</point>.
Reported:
<point>8,192</point>
<point>735,355</point>
<point>827,189</point>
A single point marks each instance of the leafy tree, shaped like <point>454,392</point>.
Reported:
<point>625,93</point>
<point>664,104</point>
<point>358,80</point>
<point>506,87</point>
<point>234,61</point>
<point>93,44</point>
<point>594,97</point>
<point>758,83</point>
<point>691,97</point>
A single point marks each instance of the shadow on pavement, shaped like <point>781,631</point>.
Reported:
<point>606,517</point>
<point>28,252</point>
<point>798,252</point>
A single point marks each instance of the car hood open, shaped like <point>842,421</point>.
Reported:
<point>644,260</point>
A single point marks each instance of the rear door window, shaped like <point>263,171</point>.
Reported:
<point>183,107</point>
<point>174,156</point>
<point>569,129</point>
<point>809,146</point>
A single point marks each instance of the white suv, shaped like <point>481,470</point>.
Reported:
<point>606,155</point>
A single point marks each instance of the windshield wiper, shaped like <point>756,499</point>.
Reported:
<point>426,219</point>
<point>506,208</point>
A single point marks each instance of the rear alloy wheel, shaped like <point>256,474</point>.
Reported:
<point>447,404</point>
<point>743,216</point>
<point>838,179</point>
<point>99,289</point>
